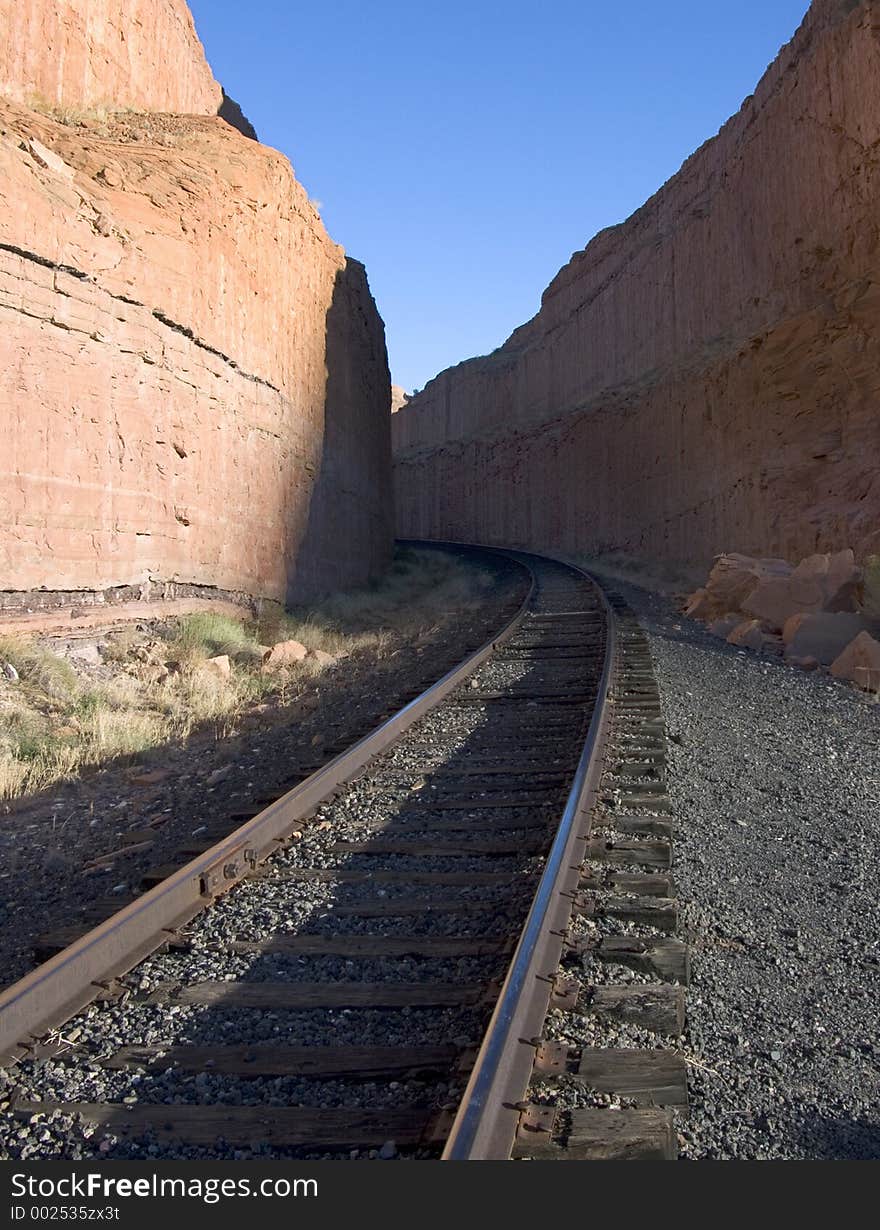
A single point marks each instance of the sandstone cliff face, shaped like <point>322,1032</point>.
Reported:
<point>193,375</point>
<point>703,377</point>
<point>138,54</point>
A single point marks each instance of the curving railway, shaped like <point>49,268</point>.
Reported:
<point>456,939</point>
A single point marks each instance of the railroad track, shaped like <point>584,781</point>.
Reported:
<point>418,950</point>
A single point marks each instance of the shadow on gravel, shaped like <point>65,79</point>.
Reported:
<point>827,1139</point>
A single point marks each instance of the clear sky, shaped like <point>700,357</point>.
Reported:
<point>464,150</point>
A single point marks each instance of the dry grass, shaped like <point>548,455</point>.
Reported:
<point>45,738</point>
<point>97,119</point>
<point>39,667</point>
<point>196,638</point>
<point>119,646</point>
<point>417,592</point>
<point>54,724</point>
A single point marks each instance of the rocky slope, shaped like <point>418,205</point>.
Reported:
<point>194,376</point>
<point>703,377</point>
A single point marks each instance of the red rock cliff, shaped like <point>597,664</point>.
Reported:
<point>139,54</point>
<point>193,375</point>
<point>703,377</point>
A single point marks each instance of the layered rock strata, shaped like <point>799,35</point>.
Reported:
<point>705,376</point>
<point>194,376</point>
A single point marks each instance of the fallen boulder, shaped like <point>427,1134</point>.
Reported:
<point>824,635</point>
<point>732,579</point>
<point>220,665</point>
<point>748,634</point>
<point>862,654</point>
<point>805,664</point>
<point>751,634</point>
<point>790,627</point>
<point>772,602</point>
<point>322,657</point>
<point>819,583</point>
<point>831,580</point>
<point>700,605</point>
<point>283,654</point>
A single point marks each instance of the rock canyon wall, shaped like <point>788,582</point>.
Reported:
<point>142,55</point>
<point>705,376</point>
<point>194,379</point>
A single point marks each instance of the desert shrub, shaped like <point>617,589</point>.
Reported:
<point>196,638</point>
<point>39,667</point>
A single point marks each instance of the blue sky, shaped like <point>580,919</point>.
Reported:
<point>463,151</point>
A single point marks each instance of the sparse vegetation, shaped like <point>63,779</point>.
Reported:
<point>155,688</point>
<point>120,644</point>
<point>195,638</point>
<point>80,117</point>
<point>39,667</point>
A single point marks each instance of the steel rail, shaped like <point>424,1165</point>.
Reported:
<point>53,992</point>
<point>486,1124</point>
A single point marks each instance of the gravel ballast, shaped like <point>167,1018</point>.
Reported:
<point>775,776</point>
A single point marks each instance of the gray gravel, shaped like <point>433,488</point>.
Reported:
<point>775,777</point>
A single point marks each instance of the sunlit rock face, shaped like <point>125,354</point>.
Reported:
<point>703,377</point>
<point>139,54</point>
<point>193,375</point>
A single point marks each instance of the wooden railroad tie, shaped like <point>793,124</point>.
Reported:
<point>668,960</point>
<point>645,884</point>
<point>248,1126</point>
<point>657,1008</point>
<point>552,1134</point>
<point>300,996</point>
<point>342,1062</point>
<point>649,1078</point>
<point>630,853</point>
<point>658,912</point>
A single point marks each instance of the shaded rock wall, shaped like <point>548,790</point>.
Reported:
<point>703,377</point>
<point>139,54</point>
<point>230,111</point>
<point>193,376</point>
